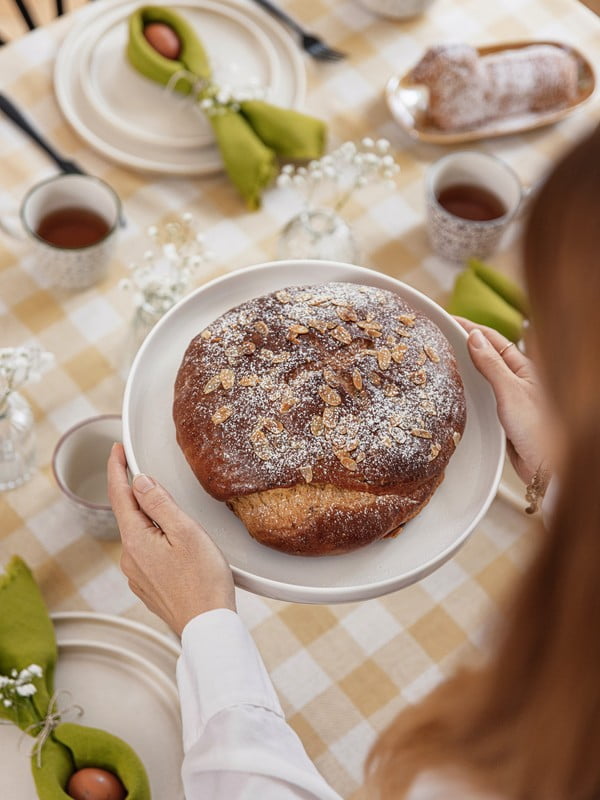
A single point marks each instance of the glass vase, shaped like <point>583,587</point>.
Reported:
<point>320,234</point>
<point>17,442</point>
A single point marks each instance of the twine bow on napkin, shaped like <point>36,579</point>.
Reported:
<point>250,133</point>
<point>27,638</point>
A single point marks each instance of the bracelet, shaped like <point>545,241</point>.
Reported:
<point>536,489</point>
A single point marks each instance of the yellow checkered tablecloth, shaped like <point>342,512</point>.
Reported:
<point>342,671</point>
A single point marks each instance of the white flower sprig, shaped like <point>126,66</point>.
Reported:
<point>17,687</point>
<point>340,173</point>
<point>166,272</point>
<point>20,365</point>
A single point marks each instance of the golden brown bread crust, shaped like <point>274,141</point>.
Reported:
<point>337,388</point>
<point>339,520</point>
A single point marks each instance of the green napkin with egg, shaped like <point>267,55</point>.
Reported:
<point>27,640</point>
<point>250,133</point>
<point>488,297</point>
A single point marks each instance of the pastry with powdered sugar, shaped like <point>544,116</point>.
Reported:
<point>467,89</point>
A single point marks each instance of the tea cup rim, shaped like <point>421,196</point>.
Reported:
<point>61,484</point>
<point>480,223</point>
<point>62,176</point>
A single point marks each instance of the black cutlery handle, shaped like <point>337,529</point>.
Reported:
<point>280,14</point>
<point>13,113</point>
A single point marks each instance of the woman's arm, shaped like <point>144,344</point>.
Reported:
<point>236,740</point>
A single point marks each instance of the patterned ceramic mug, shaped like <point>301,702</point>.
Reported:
<point>457,238</point>
<point>75,266</point>
<point>79,466</point>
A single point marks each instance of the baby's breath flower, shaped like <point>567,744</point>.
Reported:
<point>26,690</point>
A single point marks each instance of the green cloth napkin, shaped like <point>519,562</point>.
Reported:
<point>488,297</point>
<point>27,637</point>
<point>250,133</point>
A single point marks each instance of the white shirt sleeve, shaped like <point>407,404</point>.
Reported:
<point>237,743</point>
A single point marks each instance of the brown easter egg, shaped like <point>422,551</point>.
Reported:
<point>93,783</point>
<point>163,39</point>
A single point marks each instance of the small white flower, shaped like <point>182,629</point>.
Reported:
<point>299,180</point>
<point>284,180</point>
<point>382,145</point>
<point>152,230</point>
<point>288,169</point>
<point>26,690</point>
<point>368,142</point>
<point>388,161</point>
<point>206,103</point>
<point>7,703</point>
<point>35,670</point>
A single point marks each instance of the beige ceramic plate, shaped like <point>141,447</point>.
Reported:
<point>408,105</point>
<point>123,675</point>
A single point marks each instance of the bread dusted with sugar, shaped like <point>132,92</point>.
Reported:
<point>323,415</point>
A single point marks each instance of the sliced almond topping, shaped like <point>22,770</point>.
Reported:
<point>212,384</point>
<point>434,452</point>
<point>233,355</point>
<point>261,446</point>
<point>421,358</point>
<point>319,301</point>
<point>357,379</point>
<point>398,352</point>
<point>347,314</point>
<point>401,332</point>
<point>374,333</point>
<point>352,445</point>
<point>456,438</point>
<point>431,354</point>
<point>221,414</point>
<point>342,335</point>
<point>227,377</point>
<point>266,354</point>
<point>306,472</point>
<point>272,425</point>
<point>329,418</point>
<point>318,324</point>
<point>398,434</point>
<point>261,327</point>
<point>420,433</point>
<point>386,441</point>
<point>249,380</point>
<point>330,376</point>
<point>407,319</point>
<point>419,377</point>
<point>369,324</point>
<point>281,357</point>
<point>304,297</point>
<point>206,333</point>
<point>429,407</point>
<point>316,425</point>
<point>395,420</point>
<point>346,461</point>
<point>390,341</point>
<point>297,329</point>
<point>390,390</point>
<point>288,402</point>
<point>246,348</point>
<point>329,396</point>
<point>375,378</point>
<point>359,457</point>
<point>283,296</point>
<point>384,358</point>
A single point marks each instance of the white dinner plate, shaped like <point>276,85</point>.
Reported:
<point>136,122</point>
<point>123,676</point>
<point>425,543</point>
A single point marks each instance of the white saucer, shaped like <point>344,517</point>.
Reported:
<point>123,676</point>
<point>94,83</point>
<point>469,487</point>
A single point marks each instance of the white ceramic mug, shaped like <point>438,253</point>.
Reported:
<point>68,267</point>
<point>397,9</point>
<point>456,238</point>
<point>79,466</point>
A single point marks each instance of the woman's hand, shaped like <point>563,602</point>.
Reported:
<point>518,396</point>
<point>175,569</point>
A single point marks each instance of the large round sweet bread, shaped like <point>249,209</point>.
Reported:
<point>323,415</point>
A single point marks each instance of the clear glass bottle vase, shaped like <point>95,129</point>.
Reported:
<point>318,233</point>
<point>17,442</point>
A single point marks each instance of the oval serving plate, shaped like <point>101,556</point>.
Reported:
<point>426,542</point>
<point>408,104</point>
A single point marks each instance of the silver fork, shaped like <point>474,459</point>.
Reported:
<point>313,45</point>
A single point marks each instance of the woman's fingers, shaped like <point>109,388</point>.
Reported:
<point>490,363</point>
<point>513,357</point>
<point>121,497</point>
<point>157,503</point>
